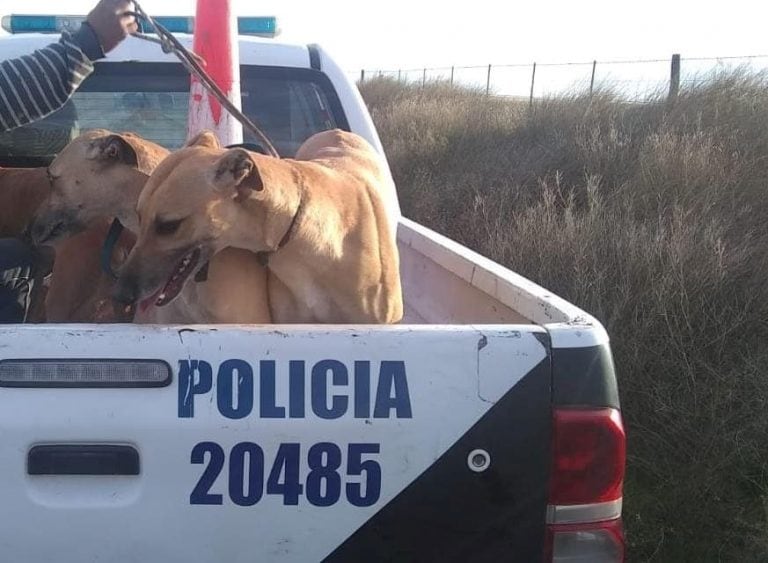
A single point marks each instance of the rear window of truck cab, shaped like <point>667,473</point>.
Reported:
<point>152,100</point>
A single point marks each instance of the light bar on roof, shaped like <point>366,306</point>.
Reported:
<point>18,23</point>
<point>41,24</point>
<point>174,24</point>
<point>262,26</point>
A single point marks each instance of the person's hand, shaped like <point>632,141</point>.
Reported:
<point>112,21</point>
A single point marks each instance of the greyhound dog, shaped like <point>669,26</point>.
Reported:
<point>99,175</point>
<point>22,190</point>
<point>320,220</point>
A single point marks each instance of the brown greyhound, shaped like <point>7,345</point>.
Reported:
<point>21,192</point>
<point>79,291</point>
<point>99,175</point>
<point>320,219</point>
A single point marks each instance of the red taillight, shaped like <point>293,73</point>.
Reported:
<point>602,542</point>
<point>585,495</point>
<point>588,456</point>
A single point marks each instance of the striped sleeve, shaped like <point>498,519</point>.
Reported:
<point>36,85</point>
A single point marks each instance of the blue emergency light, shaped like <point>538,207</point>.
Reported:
<point>173,24</point>
<point>264,26</point>
<point>17,23</point>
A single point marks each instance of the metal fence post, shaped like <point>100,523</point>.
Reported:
<point>424,78</point>
<point>674,77</point>
<point>533,81</point>
<point>399,74</point>
<point>452,68</point>
<point>592,81</point>
<point>362,75</point>
<point>488,82</point>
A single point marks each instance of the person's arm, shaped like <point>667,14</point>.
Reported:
<point>36,85</point>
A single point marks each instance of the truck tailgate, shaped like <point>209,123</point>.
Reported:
<point>407,443</point>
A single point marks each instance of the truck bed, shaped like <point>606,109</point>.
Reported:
<point>446,283</point>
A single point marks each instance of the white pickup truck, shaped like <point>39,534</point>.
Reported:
<point>484,427</point>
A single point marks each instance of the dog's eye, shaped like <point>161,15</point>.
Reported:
<point>164,228</point>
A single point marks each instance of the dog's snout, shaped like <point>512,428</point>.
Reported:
<point>127,290</point>
<point>40,232</point>
<point>49,226</point>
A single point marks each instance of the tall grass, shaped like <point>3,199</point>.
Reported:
<point>654,218</point>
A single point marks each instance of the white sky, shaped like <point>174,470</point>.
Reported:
<point>416,33</point>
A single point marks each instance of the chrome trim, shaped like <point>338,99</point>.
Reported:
<point>583,513</point>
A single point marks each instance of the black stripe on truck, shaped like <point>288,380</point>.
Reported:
<point>450,513</point>
<point>314,57</point>
<point>584,377</point>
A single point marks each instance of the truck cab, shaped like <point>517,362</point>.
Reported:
<point>486,426</point>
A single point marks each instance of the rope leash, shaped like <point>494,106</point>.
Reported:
<point>191,63</point>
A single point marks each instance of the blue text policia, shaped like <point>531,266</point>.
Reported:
<point>328,389</point>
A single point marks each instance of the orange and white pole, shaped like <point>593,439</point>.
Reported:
<point>216,41</point>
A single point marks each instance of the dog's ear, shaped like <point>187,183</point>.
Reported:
<point>204,139</point>
<point>113,148</point>
<point>237,171</point>
<point>128,149</point>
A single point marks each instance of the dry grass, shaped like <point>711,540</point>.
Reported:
<point>655,219</point>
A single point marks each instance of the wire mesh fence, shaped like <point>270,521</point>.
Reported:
<point>635,80</point>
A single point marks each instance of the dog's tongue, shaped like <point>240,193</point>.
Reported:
<point>168,291</point>
<point>148,302</point>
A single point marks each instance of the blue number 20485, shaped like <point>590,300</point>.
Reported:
<point>323,468</point>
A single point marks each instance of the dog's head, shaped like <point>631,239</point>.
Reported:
<point>96,176</point>
<point>187,213</point>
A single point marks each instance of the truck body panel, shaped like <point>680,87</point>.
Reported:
<point>402,395</point>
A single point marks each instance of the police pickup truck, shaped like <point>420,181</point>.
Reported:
<point>484,427</point>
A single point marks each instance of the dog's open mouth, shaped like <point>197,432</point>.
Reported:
<point>175,283</point>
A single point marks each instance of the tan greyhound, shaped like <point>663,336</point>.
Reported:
<point>100,175</point>
<point>319,219</point>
